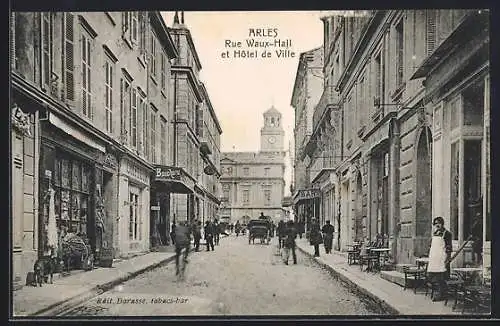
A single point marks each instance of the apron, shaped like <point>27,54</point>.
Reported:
<point>437,255</point>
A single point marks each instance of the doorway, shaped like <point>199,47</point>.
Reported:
<point>423,206</point>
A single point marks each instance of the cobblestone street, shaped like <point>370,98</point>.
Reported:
<point>235,279</point>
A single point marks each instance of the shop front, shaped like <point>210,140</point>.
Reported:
<point>168,182</point>
<point>76,190</point>
<point>307,206</point>
<point>134,207</point>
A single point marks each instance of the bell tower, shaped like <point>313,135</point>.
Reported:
<point>272,133</point>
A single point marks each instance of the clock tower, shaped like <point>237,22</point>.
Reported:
<point>272,133</point>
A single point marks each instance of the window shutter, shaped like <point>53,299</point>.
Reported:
<point>13,40</point>
<point>431,30</point>
<point>69,64</point>
<point>125,21</point>
<point>134,26</point>
<point>46,48</point>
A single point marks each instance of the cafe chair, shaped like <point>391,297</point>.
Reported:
<point>412,275</point>
<point>353,256</point>
<point>454,285</point>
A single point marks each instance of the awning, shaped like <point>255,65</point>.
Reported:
<point>74,132</point>
<point>173,179</point>
<point>306,194</point>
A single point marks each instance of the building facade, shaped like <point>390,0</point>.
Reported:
<point>94,133</point>
<point>307,93</point>
<point>396,116</point>
<point>253,182</point>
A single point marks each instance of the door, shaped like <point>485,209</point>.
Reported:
<point>423,211</point>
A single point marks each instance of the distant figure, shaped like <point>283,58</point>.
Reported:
<point>209,235</point>
<point>237,227</point>
<point>301,227</point>
<point>262,217</point>
<point>197,235</point>
<point>281,233</point>
<point>182,241</point>
<point>328,236</point>
<point>289,242</point>
<point>315,237</point>
<point>172,233</point>
<point>216,232</point>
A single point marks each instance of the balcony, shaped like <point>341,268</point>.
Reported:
<point>328,98</point>
<point>205,147</point>
<point>326,162</point>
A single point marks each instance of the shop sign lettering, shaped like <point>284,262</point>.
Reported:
<point>168,173</point>
<point>308,194</point>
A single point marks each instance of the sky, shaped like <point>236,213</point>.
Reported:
<point>241,89</point>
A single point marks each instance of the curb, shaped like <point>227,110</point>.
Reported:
<point>59,308</point>
<point>384,305</point>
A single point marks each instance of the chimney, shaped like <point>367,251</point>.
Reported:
<point>176,18</point>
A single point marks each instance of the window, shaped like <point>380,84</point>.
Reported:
<point>163,140</point>
<point>386,164</point>
<point>378,71</point>
<point>125,97</point>
<point>153,134</point>
<point>72,190</point>
<point>145,121</point>
<point>361,100</point>
<point>142,32</point>
<point>454,188</point>
<point>125,22</point>
<point>246,171</point>
<point>86,76</point>
<point>399,53</point>
<point>133,119</point>
<point>163,81</point>
<point>153,56</point>
<point>246,196</point>
<point>108,94</point>
<point>69,64</point>
<point>47,39</point>
<point>134,230</point>
<point>266,171</point>
<point>431,34</point>
<point>267,197</point>
<point>134,26</point>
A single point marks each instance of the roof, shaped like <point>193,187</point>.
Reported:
<point>272,110</point>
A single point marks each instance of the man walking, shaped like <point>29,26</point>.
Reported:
<point>289,242</point>
<point>281,233</point>
<point>315,237</point>
<point>216,232</point>
<point>209,235</point>
<point>197,235</point>
<point>328,230</point>
<point>172,232</point>
<point>182,241</point>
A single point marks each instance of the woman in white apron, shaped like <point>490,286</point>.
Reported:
<point>439,266</point>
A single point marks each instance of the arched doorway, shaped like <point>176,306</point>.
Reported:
<point>358,219</point>
<point>423,211</point>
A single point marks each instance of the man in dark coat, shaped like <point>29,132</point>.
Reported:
<point>172,233</point>
<point>281,233</point>
<point>328,230</point>
<point>315,237</point>
<point>197,235</point>
<point>289,241</point>
<point>209,235</point>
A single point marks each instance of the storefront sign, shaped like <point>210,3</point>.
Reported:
<point>170,173</point>
<point>155,208</point>
<point>307,194</point>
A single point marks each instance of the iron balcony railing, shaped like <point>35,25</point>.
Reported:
<point>329,97</point>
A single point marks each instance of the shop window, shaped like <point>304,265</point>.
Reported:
<point>72,189</point>
<point>473,105</point>
<point>472,184</point>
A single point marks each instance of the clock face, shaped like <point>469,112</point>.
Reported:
<point>271,140</point>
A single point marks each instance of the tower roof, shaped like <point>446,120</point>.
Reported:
<point>272,110</point>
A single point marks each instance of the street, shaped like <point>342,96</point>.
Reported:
<point>235,279</point>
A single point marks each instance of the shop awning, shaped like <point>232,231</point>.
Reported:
<point>72,131</point>
<point>173,179</point>
<point>306,194</point>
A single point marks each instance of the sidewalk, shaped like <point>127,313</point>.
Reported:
<point>390,296</point>
<point>71,290</point>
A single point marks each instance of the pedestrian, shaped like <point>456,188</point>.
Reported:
<point>328,236</point>
<point>182,241</point>
<point>438,269</point>
<point>172,232</point>
<point>302,227</point>
<point>289,242</point>
<point>237,227</point>
<point>281,229</point>
<point>216,232</point>
<point>315,237</point>
<point>197,235</point>
<point>209,235</point>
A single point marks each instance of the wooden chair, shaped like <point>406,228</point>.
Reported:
<point>453,289</point>
<point>413,274</point>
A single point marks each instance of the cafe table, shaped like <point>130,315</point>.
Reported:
<point>380,252</point>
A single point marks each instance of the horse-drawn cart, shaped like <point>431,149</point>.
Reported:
<point>259,229</point>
